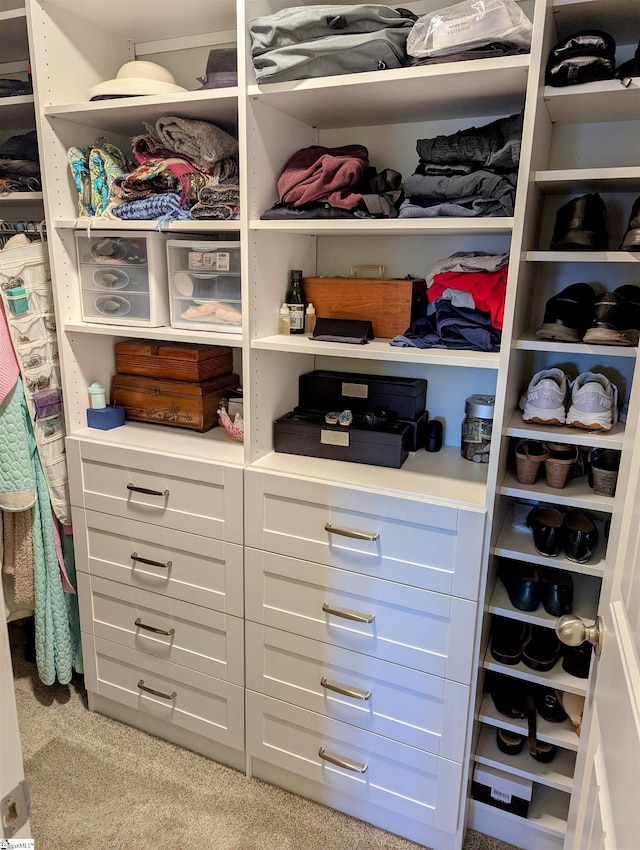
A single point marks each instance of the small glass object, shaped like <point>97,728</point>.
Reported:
<point>284,321</point>
<point>310,319</point>
<point>475,442</point>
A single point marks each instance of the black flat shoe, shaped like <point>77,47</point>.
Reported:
<point>508,695</point>
<point>581,225</point>
<point>546,525</point>
<point>580,536</point>
<point>542,650</point>
<point>509,742</point>
<point>521,582</point>
<point>576,660</point>
<point>507,637</point>
<point>556,590</point>
<point>548,704</point>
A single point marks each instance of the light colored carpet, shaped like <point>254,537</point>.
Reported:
<point>98,783</point>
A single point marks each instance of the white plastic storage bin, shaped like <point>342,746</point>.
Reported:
<point>205,285</point>
<point>124,278</point>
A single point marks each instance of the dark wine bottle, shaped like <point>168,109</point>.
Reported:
<point>295,302</point>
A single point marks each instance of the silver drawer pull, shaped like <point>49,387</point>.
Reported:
<point>149,690</point>
<point>140,560</point>
<point>346,614</point>
<point>146,490</point>
<point>347,690</point>
<point>153,629</point>
<point>351,532</point>
<point>341,761</point>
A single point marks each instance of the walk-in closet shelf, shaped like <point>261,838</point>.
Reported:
<point>265,551</point>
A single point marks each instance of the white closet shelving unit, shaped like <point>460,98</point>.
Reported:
<point>582,143</point>
<point>249,543</point>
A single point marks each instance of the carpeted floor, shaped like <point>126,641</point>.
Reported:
<point>97,783</point>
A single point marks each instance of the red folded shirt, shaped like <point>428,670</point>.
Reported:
<point>488,290</point>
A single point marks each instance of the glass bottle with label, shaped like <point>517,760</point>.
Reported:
<point>477,424</point>
<point>295,302</point>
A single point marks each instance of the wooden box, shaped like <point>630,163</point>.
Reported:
<point>391,305</point>
<point>187,404</point>
<point>177,361</point>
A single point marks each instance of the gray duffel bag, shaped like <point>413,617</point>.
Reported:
<point>320,41</point>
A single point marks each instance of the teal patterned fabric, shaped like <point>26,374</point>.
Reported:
<point>57,625</point>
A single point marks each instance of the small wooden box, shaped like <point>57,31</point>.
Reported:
<point>186,404</point>
<point>391,305</point>
<point>177,361</point>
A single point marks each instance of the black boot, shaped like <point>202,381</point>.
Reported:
<point>581,225</point>
<point>631,240</point>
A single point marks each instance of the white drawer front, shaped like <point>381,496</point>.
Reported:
<point>416,628</point>
<point>173,563</point>
<point>406,781</point>
<point>201,498</point>
<point>436,547</point>
<point>175,631</point>
<point>410,707</point>
<point>191,700</point>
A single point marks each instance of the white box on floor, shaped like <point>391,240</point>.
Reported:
<point>124,278</point>
<point>205,285</point>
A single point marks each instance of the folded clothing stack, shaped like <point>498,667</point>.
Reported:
<point>469,173</point>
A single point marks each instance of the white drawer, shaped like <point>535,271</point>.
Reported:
<point>190,700</point>
<point>410,707</point>
<point>173,563</point>
<point>427,545</point>
<point>416,628</point>
<point>186,634</point>
<point>402,780</point>
<point>170,491</point>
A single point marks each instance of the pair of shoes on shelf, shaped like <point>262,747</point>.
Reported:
<point>581,225</point>
<point>513,642</point>
<point>553,531</point>
<point>590,401</point>
<point>556,457</point>
<point>510,697</point>
<point>577,313</point>
<point>528,586</point>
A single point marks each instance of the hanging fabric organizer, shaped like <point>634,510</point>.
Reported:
<point>25,288</point>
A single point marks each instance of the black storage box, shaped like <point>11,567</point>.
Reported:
<point>308,434</point>
<point>324,390</point>
<point>416,436</point>
<point>503,790</point>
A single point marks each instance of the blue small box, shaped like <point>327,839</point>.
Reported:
<point>105,418</point>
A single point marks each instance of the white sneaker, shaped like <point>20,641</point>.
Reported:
<point>546,397</point>
<point>594,402</point>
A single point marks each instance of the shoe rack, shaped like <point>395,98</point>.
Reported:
<point>582,143</point>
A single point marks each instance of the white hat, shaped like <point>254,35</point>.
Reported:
<point>137,78</point>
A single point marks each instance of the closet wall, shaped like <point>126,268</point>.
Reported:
<point>219,581</point>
